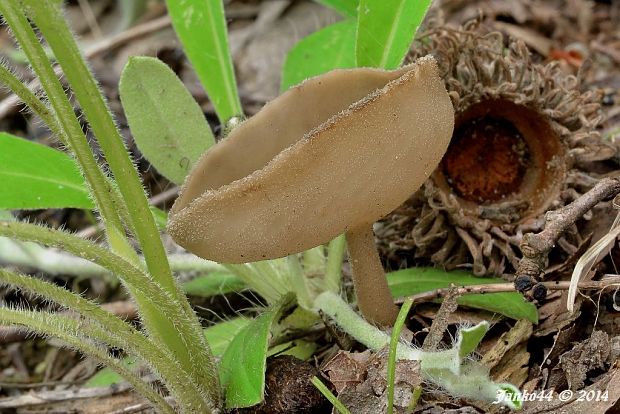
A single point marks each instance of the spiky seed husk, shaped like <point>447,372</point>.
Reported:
<point>481,74</point>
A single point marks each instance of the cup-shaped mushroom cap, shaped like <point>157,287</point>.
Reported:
<point>336,152</point>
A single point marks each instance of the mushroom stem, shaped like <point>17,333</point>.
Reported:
<point>373,295</point>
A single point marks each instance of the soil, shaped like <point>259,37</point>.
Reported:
<point>579,352</point>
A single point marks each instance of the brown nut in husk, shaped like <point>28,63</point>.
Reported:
<point>330,156</point>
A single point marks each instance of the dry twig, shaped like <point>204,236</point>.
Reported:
<point>536,247</point>
<point>608,281</point>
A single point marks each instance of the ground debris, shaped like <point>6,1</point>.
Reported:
<point>361,381</point>
<point>585,357</point>
<point>508,359</point>
<point>288,389</point>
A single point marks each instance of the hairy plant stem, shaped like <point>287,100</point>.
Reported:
<point>54,262</point>
<point>69,124</point>
<point>161,314</point>
<point>348,320</point>
<point>48,117</point>
<point>103,326</point>
<point>179,329</point>
<point>48,18</point>
<point>445,368</point>
<point>69,331</point>
<point>30,99</point>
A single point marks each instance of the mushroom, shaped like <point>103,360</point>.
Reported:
<point>330,156</point>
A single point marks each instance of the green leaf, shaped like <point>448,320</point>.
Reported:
<point>469,338</point>
<point>242,368</point>
<point>385,32</point>
<point>347,8</point>
<point>167,124</point>
<point>218,336</point>
<point>416,280</point>
<point>201,27</point>
<point>330,48</point>
<point>215,283</point>
<point>35,176</point>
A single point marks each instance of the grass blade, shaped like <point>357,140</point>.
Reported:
<point>330,48</point>
<point>68,127</point>
<point>48,17</point>
<point>391,368</point>
<point>330,396</point>
<point>201,26</point>
<point>385,33</point>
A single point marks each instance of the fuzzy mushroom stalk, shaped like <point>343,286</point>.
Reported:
<point>330,156</point>
<point>373,294</point>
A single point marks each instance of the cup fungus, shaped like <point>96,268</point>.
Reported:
<point>330,156</point>
<point>524,142</point>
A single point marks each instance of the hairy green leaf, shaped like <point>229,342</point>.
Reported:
<point>242,368</point>
<point>330,48</point>
<point>416,280</point>
<point>201,26</point>
<point>35,176</point>
<point>385,33</point>
<point>469,338</point>
<point>347,8</point>
<point>165,121</point>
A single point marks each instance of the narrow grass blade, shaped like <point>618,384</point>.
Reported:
<point>330,48</point>
<point>385,32</point>
<point>201,26</point>
<point>391,373</point>
<point>68,127</point>
<point>330,396</point>
<point>48,16</point>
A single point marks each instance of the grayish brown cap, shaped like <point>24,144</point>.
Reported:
<point>334,153</point>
